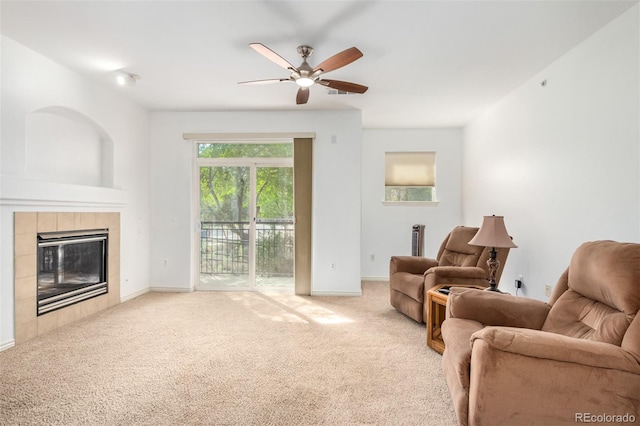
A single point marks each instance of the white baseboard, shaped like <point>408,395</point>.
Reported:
<point>337,293</point>
<point>133,295</point>
<point>374,278</point>
<point>158,289</point>
<point>171,289</point>
<point>7,345</point>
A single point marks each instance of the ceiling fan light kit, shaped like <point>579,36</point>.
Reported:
<point>305,76</point>
<point>305,82</point>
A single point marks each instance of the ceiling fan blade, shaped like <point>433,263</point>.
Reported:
<point>272,56</point>
<point>339,60</point>
<point>344,85</point>
<point>271,80</point>
<point>303,95</point>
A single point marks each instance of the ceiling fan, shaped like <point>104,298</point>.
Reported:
<point>305,76</point>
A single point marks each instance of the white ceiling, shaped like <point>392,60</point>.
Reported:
<point>427,63</point>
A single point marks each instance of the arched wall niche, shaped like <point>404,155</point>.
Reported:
<point>66,146</point>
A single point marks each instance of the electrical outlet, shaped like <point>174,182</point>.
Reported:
<point>519,281</point>
<point>332,265</point>
<point>547,290</point>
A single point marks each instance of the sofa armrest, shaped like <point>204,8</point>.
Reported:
<point>523,376</point>
<point>557,347</point>
<point>491,308</point>
<point>473,272</point>
<point>411,264</point>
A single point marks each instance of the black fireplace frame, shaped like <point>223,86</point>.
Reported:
<point>53,297</point>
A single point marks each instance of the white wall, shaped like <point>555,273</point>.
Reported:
<point>50,160</point>
<point>31,82</point>
<point>386,229</point>
<point>336,191</point>
<point>561,162</point>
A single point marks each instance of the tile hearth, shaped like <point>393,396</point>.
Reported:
<point>26,227</point>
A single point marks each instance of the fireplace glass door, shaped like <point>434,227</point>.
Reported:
<point>71,267</point>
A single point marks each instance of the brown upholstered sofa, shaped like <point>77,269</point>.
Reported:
<point>511,360</point>
<point>457,262</point>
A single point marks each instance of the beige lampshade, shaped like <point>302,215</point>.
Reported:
<point>493,233</point>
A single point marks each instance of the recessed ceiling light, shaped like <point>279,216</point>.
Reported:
<point>127,79</point>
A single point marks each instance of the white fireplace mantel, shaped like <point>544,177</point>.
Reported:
<point>18,191</point>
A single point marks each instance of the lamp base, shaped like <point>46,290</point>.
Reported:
<point>493,265</point>
<point>493,285</point>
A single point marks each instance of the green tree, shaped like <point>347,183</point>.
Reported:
<point>224,190</point>
<point>224,194</point>
<point>274,192</point>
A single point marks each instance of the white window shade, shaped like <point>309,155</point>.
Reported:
<point>410,169</point>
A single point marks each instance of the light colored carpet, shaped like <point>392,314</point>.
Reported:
<point>230,358</point>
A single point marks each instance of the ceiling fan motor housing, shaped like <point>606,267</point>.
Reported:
<point>305,51</point>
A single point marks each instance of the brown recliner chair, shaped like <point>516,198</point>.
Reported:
<point>457,262</point>
<point>511,360</point>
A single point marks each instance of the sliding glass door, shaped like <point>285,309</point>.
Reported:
<point>274,227</point>
<point>245,220</point>
<point>224,226</point>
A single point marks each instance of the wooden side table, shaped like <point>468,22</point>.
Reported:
<point>436,309</point>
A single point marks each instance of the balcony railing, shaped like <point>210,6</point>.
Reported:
<point>224,248</point>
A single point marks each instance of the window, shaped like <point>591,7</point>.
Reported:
<point>410,176</point>
<point>245,150</point>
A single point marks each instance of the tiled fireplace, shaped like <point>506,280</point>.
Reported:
<point>27,226</point>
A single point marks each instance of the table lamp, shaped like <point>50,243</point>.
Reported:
<point>493,234</point>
